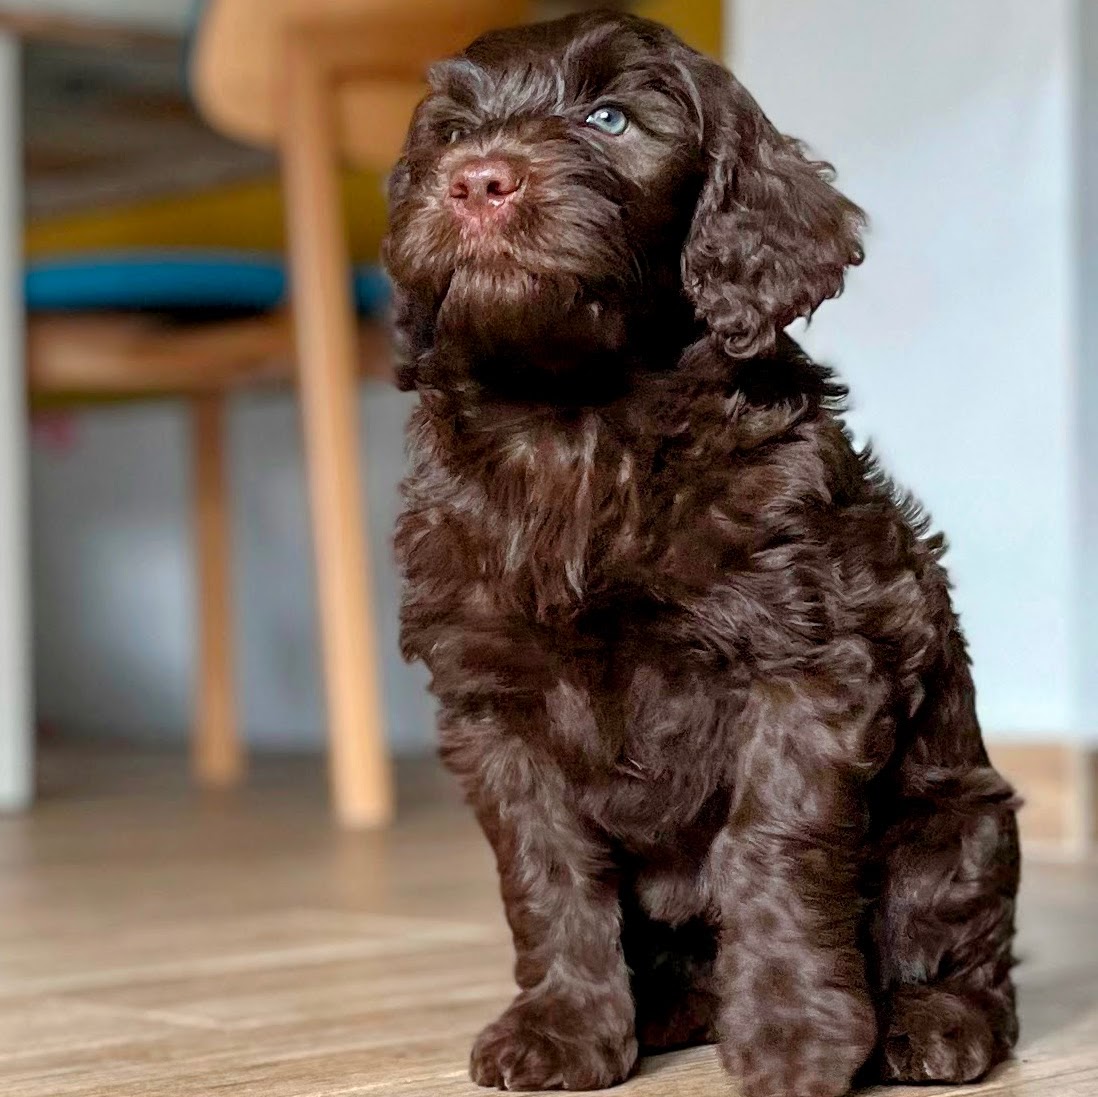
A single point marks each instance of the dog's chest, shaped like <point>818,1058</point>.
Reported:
<point>647,742</point>
<point>557,510</point>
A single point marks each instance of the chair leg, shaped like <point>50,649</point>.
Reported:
<point>325,324</point>
<point>217,756</point>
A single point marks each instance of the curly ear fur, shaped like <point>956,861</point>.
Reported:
<point>771,238</point>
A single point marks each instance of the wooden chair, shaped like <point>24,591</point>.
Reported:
<point>80,357</point>
<point>323,80</point>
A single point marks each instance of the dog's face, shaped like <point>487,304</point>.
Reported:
<point>578,193</point>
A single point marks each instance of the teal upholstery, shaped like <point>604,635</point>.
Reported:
<point>176,281</point>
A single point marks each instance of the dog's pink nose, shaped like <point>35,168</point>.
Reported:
<point>484,185</point>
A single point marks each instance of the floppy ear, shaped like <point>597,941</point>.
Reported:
<point>771,238</point>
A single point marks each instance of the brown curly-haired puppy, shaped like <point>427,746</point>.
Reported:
<point>697,666</point>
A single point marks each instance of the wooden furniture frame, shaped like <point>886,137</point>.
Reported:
<point>81,357</point>
<point>324,80</point>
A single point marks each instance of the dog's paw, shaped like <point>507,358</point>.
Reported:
<point>813,1051</point>
<point>791,1070</point>
<point>540,1043</point>
<point>932,1035</point>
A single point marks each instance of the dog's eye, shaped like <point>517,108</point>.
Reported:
<point>611,120</point>
<point>455,135</point>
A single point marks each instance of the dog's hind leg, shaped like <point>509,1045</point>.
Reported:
<point>944,922</point>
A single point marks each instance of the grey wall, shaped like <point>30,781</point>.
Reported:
<point>953,125</point>
<point>113,573</point>
<point>171,15</point>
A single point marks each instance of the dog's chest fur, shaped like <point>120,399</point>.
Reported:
<point>608,591</point>
<point>595,583</point>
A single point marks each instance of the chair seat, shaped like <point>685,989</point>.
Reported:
<point>181,282</point>
<point>73,357</point>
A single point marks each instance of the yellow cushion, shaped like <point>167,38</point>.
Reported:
<point>243,216</point>
<point>698,23</point>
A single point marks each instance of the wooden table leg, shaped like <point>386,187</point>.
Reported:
<point>16,717</point>
<point>217,755</point>
<point>324,316</point>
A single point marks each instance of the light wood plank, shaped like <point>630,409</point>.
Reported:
<point>1046,776</point>
<point>237,69</point>
<point>360,768</point>
<point>217,754</point>
<point>109,355</point>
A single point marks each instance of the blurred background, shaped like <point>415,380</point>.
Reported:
<point>122,170</point>
<point>965,338</point>
<point>200,447</point>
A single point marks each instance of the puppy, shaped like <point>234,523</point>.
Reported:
<point>694,653</point>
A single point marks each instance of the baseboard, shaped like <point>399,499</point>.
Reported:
<point>1057,781</point>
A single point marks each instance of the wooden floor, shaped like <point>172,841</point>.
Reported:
<point>158,943</point>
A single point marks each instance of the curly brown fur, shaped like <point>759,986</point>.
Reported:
<point>697,665</point>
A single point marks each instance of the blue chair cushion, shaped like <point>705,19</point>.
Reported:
<point>177,281</point>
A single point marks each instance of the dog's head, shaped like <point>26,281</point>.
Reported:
<point>575,191</point>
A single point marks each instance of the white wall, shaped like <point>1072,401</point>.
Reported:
<point>113,574</point>
<point>951,124</point>
<point>15,710</point>
<point>1086,415</point>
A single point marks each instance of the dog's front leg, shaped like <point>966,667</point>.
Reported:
<point>797,1018</point>
<point>572,1024</point>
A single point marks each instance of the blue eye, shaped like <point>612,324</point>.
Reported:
<point>611,120</point>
